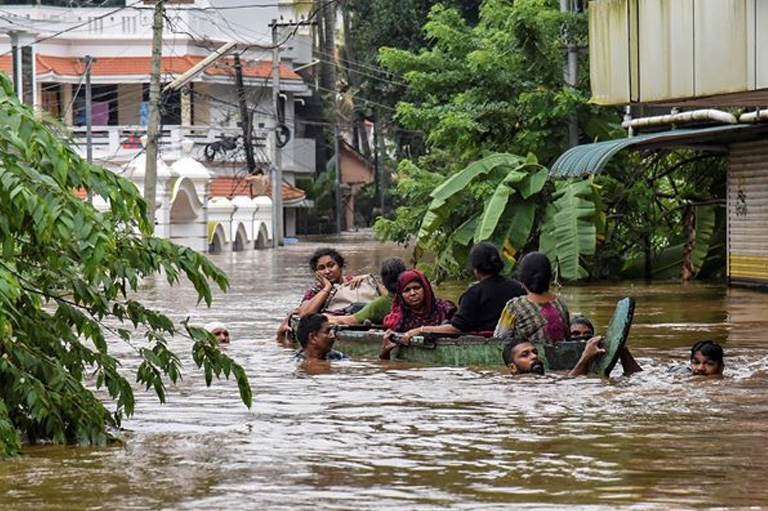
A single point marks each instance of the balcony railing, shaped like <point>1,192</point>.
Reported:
<point>212,144</point>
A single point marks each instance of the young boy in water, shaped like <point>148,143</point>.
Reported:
<point>707,358</point>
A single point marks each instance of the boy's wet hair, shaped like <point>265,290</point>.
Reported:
<point>309,324</point>
<point>710,349</point>
<point>325,251</point>
<point>485,258</point>
<point>390,271</point>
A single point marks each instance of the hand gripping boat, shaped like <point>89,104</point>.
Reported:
<point>476,350</point>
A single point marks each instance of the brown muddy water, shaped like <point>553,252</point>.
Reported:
<point>367,434</point>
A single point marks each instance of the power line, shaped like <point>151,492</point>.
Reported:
<point>75,27</point>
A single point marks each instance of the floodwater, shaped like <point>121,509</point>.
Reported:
<point>385,435</point>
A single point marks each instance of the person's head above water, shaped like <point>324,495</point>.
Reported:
<point>219,330</point>
<point>485,260</point>
<point>522,357</point>
<point>581,328</point>
<point>315,333</point>
<point>535,272</point>
<point>390,271</point>
<point>707,358</point>
<point>329,262</point>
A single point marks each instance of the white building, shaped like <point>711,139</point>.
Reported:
<point>43,45</point>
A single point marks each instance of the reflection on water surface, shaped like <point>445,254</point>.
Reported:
<point>376,435</point>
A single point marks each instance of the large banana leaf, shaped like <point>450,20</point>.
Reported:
<point>439,207</point>
<point>516,231</point>
<point>571,228</point>
<point>527,185</point>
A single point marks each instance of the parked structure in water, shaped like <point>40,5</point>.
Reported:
<point>690,57</point>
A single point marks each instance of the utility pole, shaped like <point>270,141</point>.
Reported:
<point>88,115</point>
<point>570,71</point>
<point>277,155</point>
<point>338,177</point>
<point>153,129</point>
<point>245,118</point>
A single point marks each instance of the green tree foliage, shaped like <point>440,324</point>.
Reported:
<point>67,277</point>
<point>483,90</point>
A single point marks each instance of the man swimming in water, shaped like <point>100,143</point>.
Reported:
<point>522,357</point>
<point>706,359</point>
<point>316,336</point>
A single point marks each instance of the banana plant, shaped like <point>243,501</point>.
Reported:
<point>506,216</point>
<point>570,227</point>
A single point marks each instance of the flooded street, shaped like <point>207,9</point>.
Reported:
<point>384,435</point>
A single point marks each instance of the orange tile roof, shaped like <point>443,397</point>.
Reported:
<point>231,186</point>
<point>115,66</point>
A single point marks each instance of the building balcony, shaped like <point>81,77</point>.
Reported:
<point>211,144</point>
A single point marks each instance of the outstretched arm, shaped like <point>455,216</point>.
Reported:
<point>628,362</point>
<point>591,351</point>
<point>441,329</point>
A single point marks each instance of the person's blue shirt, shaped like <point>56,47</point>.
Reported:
<point>331,356</point>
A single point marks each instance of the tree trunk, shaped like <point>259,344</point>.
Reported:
<point>360,135</point>
<point>328,48</point>
<point>648,257</point>
<point>689,221</point>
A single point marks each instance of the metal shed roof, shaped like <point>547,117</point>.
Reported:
<point>588,159</point>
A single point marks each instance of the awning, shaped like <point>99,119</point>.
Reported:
<point>586,159</point>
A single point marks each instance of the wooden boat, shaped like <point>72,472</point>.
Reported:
<point>476,350</point>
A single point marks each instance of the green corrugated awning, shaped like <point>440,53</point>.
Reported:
<point>586,159</point>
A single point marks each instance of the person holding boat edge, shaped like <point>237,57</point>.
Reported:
<point>480,306</point>
<point>415,307</point>
<point>327,265</point>
<point>522,357</point>
<point>316,337</point>
<point>582,329</point>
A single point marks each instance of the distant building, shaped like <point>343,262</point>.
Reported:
<point>42,45</point>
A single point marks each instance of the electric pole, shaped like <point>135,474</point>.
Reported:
<point>245,118</point>
<point>153,128</point>
<point>570,71</point>
<point>277,155</point>
<point>88,115</point>
<point>338,177</point>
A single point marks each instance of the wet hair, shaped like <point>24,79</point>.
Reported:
<point>309,324</point>
<point>582,320</point>
<point>390,271</point>
<point>485,258</point>
<point>509,346</point>
<point>535,272</point>
<point>710,349</point>
<point>325,251</point>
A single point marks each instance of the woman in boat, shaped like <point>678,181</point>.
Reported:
<point>540,315</point>
<point>415,306</point>
<point>375,311</point>
<point>328,266</point>
<point>480,306</point>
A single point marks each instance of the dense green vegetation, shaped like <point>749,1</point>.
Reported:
<point>491,95</point>
<point>67,277</point>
